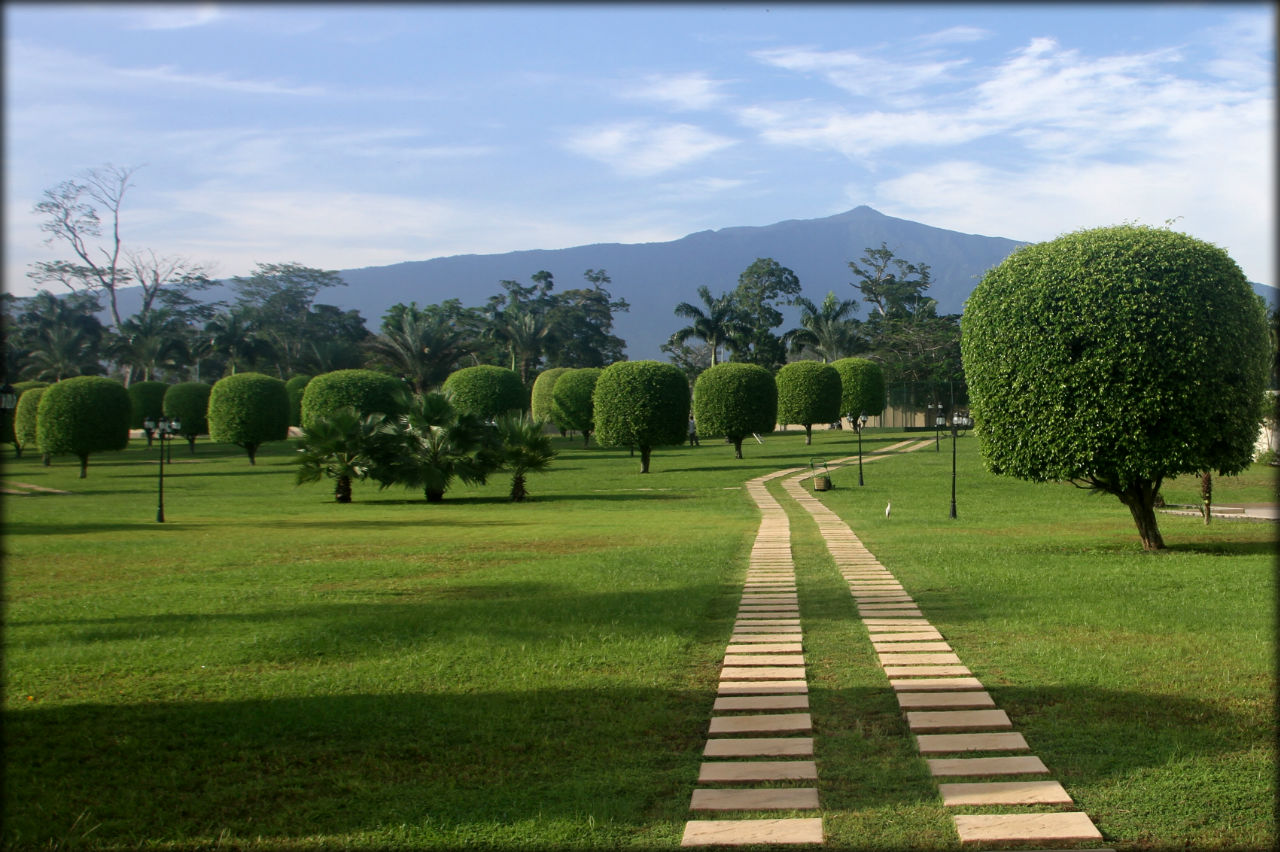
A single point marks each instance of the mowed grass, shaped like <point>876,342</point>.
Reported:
<point>269,669</point>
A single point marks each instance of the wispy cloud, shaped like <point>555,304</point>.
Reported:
<point>691,91</point>
<point>641,149</point>
<point>171,16</point>
<point>862,73</point>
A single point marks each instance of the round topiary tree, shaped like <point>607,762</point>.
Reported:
<point>189,403</point>
<point>735,400</point>
<point>367,391</point>
<point>540,405</point>
<point>147,400</point>
<point>294,387</point>
<point>571,401</point>
<point>862,388</point>
<point>808,392</point>
<point>248,410</point>
<point>10,435</point>
<point>642,404</point>
<point>25,417</point>
<point>486,391</point>
<point>1114,358</point>
<point>83,415</point>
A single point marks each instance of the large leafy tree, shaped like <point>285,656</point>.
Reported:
<point>761,287</point>
<point>83,415</point>
<point>248,410</point>
<point>278,299</point>
<point>808,393</point>
<point>54,337</point>
<point>572,406</point>
<point>1114,358</point>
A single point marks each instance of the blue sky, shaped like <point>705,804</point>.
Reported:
<point>342,136</point>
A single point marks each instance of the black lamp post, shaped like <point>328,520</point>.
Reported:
<point>165,428</point>
<point>860,423</point>
<point>8,402</point>
<point>958,421</point>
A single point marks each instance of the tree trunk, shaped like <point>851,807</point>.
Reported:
<point>342,490</point>
<point>84,465</point>
<point>17,451</point>
<point>252,450</point>
<point>586,439</point>
<point>517,488</point>
<point>191,444</point>
<point>808,434</point>
<point>737,448</point>
<point>46,459</point>
<point>434,496</point>
<point>644,459</point>
<point>1140,498</point>
<point>1206,495</point>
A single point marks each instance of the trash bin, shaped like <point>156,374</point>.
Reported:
<point>822,483</point>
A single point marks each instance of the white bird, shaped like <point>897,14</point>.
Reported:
<point>887,507</point>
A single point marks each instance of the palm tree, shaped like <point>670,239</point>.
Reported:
<point>525,335</point>
<point>61,352</point>
<point>828,331</point>
<point>525,449</point>
<point>150,342</point>
<point>435,445</point>
<point>234,335</point>
<point>422,348</point>
<point>716,322</point>
<point>342,446</point>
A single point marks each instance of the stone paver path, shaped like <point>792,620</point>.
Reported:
<point>946,707</point>
<point>761,732</point>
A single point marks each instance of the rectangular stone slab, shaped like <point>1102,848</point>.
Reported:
<point>728,771</point>
<point>919,624</point>
<point>945,700</point>
<point>759,747</point>
<point>764,659</point>
<point>775,722</point>
<point>763,702</point>
<point>766,628</point>
<point>1004,793</point>
<point>957,720</point>
<point>894,659</point>
<point>907,671</point>
<point>762,687</point>
<point>781,799</point>
<point>761,672</point>
<point>765,638</point>
<point>759,620</point>
<point>750,832</point>
<point>952,743</point>
<point>913,648</point>
<point>917,684</point>
<point>778,608</point>
<point>1036,828</point>
<point>942,767</point>
<point>766,648</point>
<point>920,636</point>
<point>889,621</point>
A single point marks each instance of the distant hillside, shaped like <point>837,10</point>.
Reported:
<point>655,277</point>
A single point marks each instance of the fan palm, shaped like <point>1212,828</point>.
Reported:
<point>422,348</point>
<point>525,449</point>
<point>342,446</point>
<point>435,444</point>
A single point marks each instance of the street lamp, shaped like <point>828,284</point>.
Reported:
<point>938,422</point>
<point>860,424</point>
<point>958,421</point>
<point>166,428</point>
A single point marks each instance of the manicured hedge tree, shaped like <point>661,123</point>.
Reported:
<point>540,405</point>
<point>366,391</point>
<point>486,391</point>
<point>83,415</point>
<point>189,402</point>
<point>862,389</point>
<point>248,410</point>
<point>294,387</point>
<point>735,400</point>
<point>25,418</point>
<point>808,392</point>
<point>1113,358</point>
<point>147,400</point>
<point>10,433</point>
<point>571,401</point>
<point>642,404</point>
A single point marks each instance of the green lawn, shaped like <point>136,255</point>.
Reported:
<point>273,670</point>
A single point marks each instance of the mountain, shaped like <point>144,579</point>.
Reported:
<point>655,277</point>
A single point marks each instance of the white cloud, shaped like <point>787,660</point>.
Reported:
<point>172,16</point>
<point>952,35</point>
<point>862,74</point>
<point>640,149</point>
<point>692,91</point>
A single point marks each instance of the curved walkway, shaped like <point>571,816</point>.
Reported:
<point>947,709</point>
